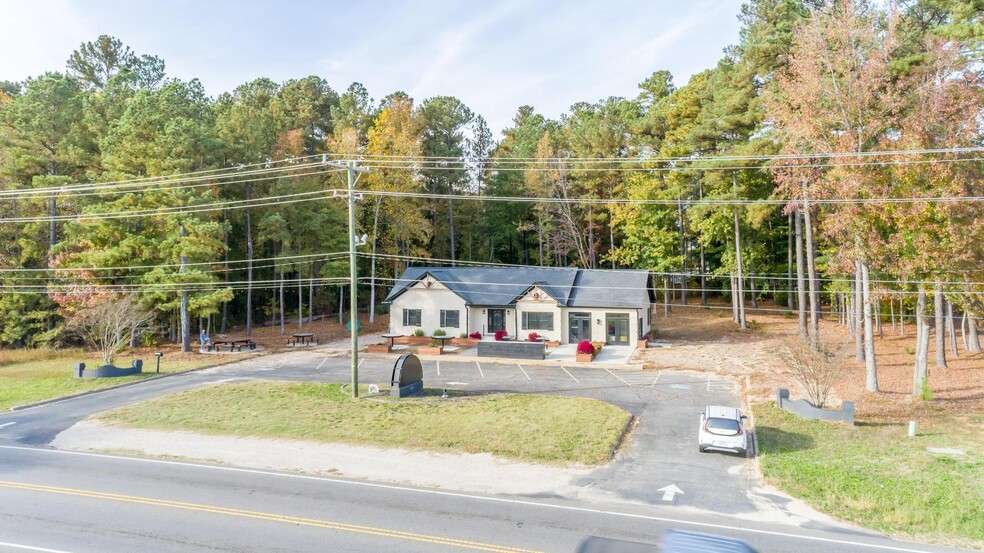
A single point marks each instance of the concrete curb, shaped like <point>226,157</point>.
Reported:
<point>510,361</point>
<point>116,387</point>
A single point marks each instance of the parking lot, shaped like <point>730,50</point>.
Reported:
<point>659,464</point>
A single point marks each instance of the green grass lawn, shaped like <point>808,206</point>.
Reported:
<point>519,426</point>
<point>27,376</point>
<point>878,477</point>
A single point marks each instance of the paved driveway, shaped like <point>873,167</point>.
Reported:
<point>661,450</point>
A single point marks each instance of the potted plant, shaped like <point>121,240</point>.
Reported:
<point>432,348</point>
<point>500,335</point>
<point>534,337</point>
<point>467,340</point>
<point>643,342</point>
<point>585,351</point>
<point>419,337</point>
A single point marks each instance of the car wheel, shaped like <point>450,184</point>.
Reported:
<point>742,453</point>
<point>701,448</point>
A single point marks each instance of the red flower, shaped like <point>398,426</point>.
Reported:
<point>585,346</point>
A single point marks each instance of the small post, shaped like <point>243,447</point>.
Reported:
<point>912,428</point>
<point>158,355</point>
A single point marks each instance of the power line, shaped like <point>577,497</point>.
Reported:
<point>363,157</point>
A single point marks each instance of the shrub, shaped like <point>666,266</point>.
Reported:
<point>475,335</point>
<point>533,337</point>
<point>463,335</point>
<point>440,332</point>
<point>585,346</point>
<point>500,335</point>
<point>418,332</point>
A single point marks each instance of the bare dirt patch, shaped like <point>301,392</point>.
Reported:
<point>707,340</point>
<point>326,331</point>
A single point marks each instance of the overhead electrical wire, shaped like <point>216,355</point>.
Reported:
<point>670,274</point>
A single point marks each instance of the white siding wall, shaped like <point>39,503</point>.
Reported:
<point>599,332</point>
<point>542,305</point>
<point>430,301</point>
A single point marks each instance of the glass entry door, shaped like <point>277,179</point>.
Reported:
<point>497,320</point>
<point>617,329</point>
<point>580,327</point>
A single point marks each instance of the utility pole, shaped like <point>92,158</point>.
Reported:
<point>353,289</point>
<point>351,170</point>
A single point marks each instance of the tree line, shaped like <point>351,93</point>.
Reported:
<point>733,183</point>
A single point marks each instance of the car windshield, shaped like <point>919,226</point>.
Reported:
<point>722,427</point>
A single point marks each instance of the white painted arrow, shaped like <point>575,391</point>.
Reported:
<point>6,424</point>
<point>670,491</point>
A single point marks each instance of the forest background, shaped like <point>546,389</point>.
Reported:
<point>831,156</point>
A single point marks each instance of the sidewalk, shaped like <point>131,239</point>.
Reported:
<point>611,357</point>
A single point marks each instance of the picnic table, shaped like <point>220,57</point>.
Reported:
<point>233,344</point>
<point>392,338</point>
<point>300,338</point>
<point>443,339</point>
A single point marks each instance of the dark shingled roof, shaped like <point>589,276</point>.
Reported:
<point>501,286</point>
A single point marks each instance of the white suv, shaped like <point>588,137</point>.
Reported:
<point>722,428</point>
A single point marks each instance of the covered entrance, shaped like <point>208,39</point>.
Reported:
<point>617,333</point>
<point>580,327</point>
<point>497,320</point>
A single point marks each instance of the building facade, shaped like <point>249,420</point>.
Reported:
<point>563,304</point>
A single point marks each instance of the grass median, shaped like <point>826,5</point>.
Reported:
<point>520,426</point>
<point>31,375</point>
<point>878,477</point>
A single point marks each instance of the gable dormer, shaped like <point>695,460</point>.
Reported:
<point>535,294</point>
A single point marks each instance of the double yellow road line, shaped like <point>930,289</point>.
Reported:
<point>273,517</point>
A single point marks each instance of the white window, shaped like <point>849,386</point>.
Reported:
<point>533,320</point>
<point>411,317</point>
<point>449,319</point>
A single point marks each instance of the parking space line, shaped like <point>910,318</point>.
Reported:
<point>361,359</point>
<point>438,368</point>
<point>479,369</point>
<point>570,375</point>
<point>708,382</point>
<point>616,376</point>
<point>323,361</point>
<point>524,372</point>
<point>653,385</point>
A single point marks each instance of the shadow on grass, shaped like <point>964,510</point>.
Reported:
<point>775,441</point>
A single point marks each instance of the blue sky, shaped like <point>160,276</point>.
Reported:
<point>494,56</point>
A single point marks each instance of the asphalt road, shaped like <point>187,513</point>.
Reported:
<point>78,502</point>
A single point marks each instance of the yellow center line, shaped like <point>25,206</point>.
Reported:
<point>370,530</point>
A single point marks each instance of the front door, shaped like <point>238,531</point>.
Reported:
<point>497,320</point>
<point>618,329</point>
<point>580,327</point>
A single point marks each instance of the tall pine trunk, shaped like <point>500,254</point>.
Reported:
<point>812,277</point>
<point>858,313</point>
<point>870,365</point>
<point>740,278</point>
<point>225,239</point>
<point>300,300</point>
<point>800,280</point>
<point>451,223</point>
<point>922,345</point>
<point>940,325</point>
<point>281,293</point>
<point>185,318</point>
<point>790,236</point>
<point>951,329</point>
<point>973,340</point>
<point>249,263</point>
